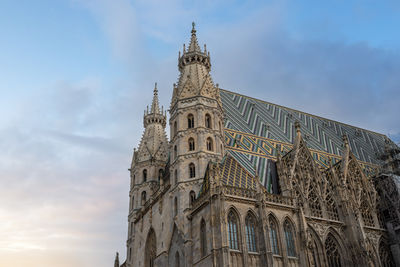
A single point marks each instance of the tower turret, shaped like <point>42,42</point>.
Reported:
<point>148,163</point>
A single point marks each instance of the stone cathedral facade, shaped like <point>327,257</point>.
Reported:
<point>244,182</point>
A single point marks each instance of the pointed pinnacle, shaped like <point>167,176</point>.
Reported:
<point>194,45</point>
<point>155,108</point>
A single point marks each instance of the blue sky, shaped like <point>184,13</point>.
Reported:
<point>76,75</point>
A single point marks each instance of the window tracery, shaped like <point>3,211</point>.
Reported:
<point>190,119</point>
<point>233,231</point>
<point>331,207</point>
<point>191,144</point>
<point>332,251</point>
<point>208,121</point>
<point>251,233</point>
<point>274,236</point>
<point>313,202</point>
<point>289,237</point>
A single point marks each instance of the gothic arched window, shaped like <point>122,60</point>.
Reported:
<point>177,264</point>
<point>233,230</point>
<point>144,175</point>
<point>176,176</point>
<point>289,237</point>
<point>209,144</point>
<point>203,238</point>
<point>143,197</point>
<point>251,233</point>
<point>274,236</point>
<point>192,170</point>
<point>191,144</point>
<point>190,119</point>
<point>208,121</point>
<point>192,196</point>
<point>150,249</point>
<point>332,252</point>
<point>385,256</point>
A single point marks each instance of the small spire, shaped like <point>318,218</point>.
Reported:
<point>155,107</point>
<point>297,127</point>
<point>345,140</point>
<point>194,45</point>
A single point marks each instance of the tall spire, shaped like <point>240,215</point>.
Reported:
<point>194,45</point>
<point>155,107</point>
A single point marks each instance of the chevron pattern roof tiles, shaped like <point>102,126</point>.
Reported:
<point>258,129</point>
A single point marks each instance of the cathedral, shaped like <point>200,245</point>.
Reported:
<point>245,182</point>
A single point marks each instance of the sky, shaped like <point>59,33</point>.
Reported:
<point>76,76</point>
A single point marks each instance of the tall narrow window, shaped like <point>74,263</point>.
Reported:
<point>133,203</point>
<point>177,264</point>
<point>160,174</point>
<point>175,128</point>
<point>176,176</point>
<point>209,144</point>
<point>144,175</point>
<point>289,236</point>
<point>175,152</point>
<point>273,236</point>
<point>175,206</point>
<point>191,144</point>
<point>143,197</point>
<point>190,121</point>
<point>251,233</point>
<point>203,238</point>
<point>208,121</point>
<point>233,231</point>
<point>192,196</point>
<point>332,252</point>
<point>192,170</point>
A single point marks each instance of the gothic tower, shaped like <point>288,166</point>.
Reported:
<point>148,163</point>
<point>196,124</point>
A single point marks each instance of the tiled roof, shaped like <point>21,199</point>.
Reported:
<point>234,174</point>
<point>255,130</point>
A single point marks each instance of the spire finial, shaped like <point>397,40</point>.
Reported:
<point>193,45</point>
<point>155,107</point>
<point>155,89</point>
<point>297,126</point>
